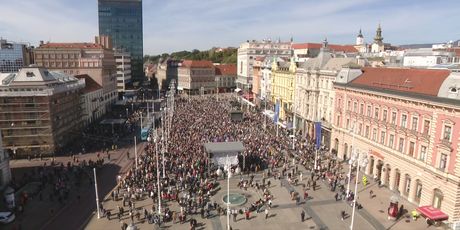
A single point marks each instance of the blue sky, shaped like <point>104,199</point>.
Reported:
<point>174,25</point>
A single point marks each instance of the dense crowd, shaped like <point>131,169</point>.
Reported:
<point>191,179</point>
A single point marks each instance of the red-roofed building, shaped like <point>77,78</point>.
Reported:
<point>406,122</point>
<point>96,60</point>
<point>196,77</point>
<point>226,77</point>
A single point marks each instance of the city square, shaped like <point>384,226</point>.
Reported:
<point>217,114</point>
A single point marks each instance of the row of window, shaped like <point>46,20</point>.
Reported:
<point>401,143</point>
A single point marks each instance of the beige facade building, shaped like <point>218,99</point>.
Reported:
<point>249,51</point>
<point>93,59</point>
<point>91,100</point>
<point>196,77</point>
<point>315,93</point>
<point>123,62</point>
<point>40,110</point>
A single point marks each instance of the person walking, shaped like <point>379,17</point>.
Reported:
<point>302,215</point>
<point>266,213</point>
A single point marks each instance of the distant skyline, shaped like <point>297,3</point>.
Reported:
<point>176,25</point>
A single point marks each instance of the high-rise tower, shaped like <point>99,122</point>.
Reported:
<point>122,20</point>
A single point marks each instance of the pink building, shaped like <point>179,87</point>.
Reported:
<point>407,123</point>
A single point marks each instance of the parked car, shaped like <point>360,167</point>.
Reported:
<point>7,217</point>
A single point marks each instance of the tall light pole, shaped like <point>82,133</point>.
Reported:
<point>97,194</point>
<point>135,152</point>
<point>352,157</point>
<point>362,161</point>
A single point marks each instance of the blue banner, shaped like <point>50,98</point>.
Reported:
<point>144,133</point>
<point>277,112</point>
<point>318,134</point>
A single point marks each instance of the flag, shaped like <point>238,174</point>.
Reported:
<point>318,134</point>
<point>277,112</point>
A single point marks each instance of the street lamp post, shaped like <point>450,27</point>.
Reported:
<point>149,139</point>
<point>352,157</point>
<point>362,161</point>
<point>97,195</point>
<point>227,166</point>
<point>127,115</point>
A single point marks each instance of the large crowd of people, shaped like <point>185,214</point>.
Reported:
<point>190,178</point>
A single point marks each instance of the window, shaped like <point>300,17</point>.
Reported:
<point>349,105</point>
<point>404,121</point>
<point>391,141</point>
<point>411,148</point>
<point>447,133</point>
<point>376,113</point>
<point>426,126</point>
<point>348,123</point>
<point>437,198</point>
<point>385,114</point>
<point>382,137</point>
<point>360,128</point>
<point>355,106</point>
<point>443,162</point>
<point>393,118</point>
<point>361,109</point>
<point>422,153</point>
<point>414,123</point>
<point>401,144</point>
<point>367,131</point>
<point>369,108</point>
<point>374,134</point>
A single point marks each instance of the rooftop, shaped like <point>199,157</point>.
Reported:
<point>82,45</point>
<point>418,81</point>
<point>90,84</point>
<point>197,64</point>
<point>226,69</point>
<point>336,48</point>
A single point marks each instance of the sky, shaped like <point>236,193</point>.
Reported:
<point>176,25</point>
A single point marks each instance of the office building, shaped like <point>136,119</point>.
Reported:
<point>13,56</point>
<point>123,62</point>
<point>122,21</point>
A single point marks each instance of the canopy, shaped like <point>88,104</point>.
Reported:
<point>237,90</point>
<point>224,147</point>
<point>432,213</point>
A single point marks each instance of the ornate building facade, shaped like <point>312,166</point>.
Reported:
<point>407,123</point>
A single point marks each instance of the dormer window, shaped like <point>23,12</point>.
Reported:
<point>453,90</point>
<point>30,74</point>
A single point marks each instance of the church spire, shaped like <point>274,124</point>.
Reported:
<point>378,35</point>
<point>360,35</point>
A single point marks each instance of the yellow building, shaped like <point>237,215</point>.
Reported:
<point>283,86</point>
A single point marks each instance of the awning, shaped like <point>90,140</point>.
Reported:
<point>237,90</point>
<point>376,154</point>
<point>432,213</point>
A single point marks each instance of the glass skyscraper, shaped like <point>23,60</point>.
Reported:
<point>12,56</point>
<point>122,21</point>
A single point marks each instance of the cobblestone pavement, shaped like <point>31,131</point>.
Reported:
<point>46,214</point>
<point>323,212</point>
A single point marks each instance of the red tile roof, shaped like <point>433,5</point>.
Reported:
<point>419,81</point>
<point>90,84</point>
<point>338,48</point>
<point>226,69</point>
<point>197,64</point>
<point>83,45</point>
